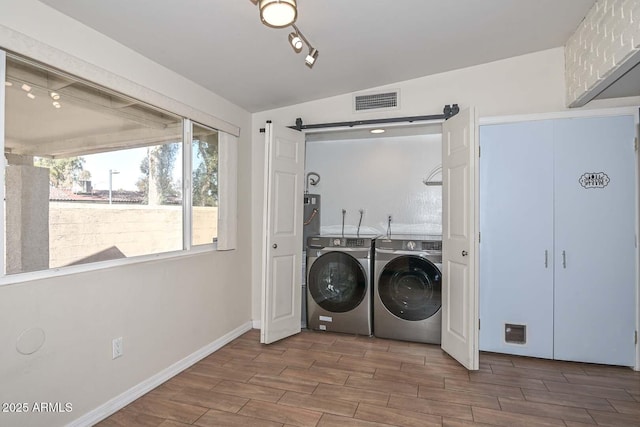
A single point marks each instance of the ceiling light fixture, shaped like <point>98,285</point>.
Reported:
<point>56,104</point>
<point>26,87</point>
<point>30,95</point>
<point>283,13</point>
<point>377,131</point>
<point>278,13</point>
<point>54,95</point>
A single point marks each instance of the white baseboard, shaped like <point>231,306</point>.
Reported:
<point>119,402</point>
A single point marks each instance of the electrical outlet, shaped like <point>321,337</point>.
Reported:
<point>117,347</point>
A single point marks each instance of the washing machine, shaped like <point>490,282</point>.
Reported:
<point>407,302</point>
<point>339,283</point>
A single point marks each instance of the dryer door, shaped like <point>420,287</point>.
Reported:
<point>410,288</point>
<point>337,282</point>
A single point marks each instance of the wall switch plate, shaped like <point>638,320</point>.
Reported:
<point>117,347</point>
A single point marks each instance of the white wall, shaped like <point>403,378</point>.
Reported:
<point>165,310</point>
<point>527,84</point>
<point>382,176</point>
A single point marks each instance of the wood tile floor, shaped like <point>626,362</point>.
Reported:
<point>324,379</point>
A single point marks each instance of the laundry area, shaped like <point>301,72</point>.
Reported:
<point>557,246</point>
<point>373,232</point>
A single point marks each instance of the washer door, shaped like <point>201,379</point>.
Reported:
<point>337,282</point>
<point>410,287</point>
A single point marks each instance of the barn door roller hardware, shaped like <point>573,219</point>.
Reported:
<point>448,112</point>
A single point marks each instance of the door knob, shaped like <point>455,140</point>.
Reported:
<point>275,246</point>
<point>465,253</point>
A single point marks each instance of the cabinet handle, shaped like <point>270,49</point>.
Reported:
<point>564,259</point>
<point>546,259</point>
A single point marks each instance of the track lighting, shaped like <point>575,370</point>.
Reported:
<point>295,41</point>
<point>283,13</point>
<point>310,60</point>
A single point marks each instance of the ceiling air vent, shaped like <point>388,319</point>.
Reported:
<point>376,101</point>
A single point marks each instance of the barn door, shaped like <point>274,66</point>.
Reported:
<point>459,239</point>
<point>282,238</point>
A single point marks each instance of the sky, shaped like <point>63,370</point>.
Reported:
<point>126,162</point>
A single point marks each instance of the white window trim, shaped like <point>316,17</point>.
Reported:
<point>3,69</point>
<point>187,208</point>
<point>227,191</point>
<point>12,279</point>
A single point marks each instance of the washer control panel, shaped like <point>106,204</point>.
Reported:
<point>409,244</point>
<point>339,242</point>
<point>347,242</point>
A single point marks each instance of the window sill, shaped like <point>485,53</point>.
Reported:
<point>102,265</point>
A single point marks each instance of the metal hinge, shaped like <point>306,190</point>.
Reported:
<point>635,144</point>
<point>478,324</point>
<point>479,236</point>
<point>636,337</point>
<point>479,149</point>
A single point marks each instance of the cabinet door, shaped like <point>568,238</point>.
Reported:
<point>595,240</point>
<point>516,224</point>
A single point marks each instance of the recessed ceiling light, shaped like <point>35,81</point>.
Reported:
<point>26,87</point>
<point>8,84</point>
<point>377,131</point>
<point>30,95</point>
<point>54,95</point>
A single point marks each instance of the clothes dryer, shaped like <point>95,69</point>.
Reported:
<point>339,283</point>
<point>408,288</point>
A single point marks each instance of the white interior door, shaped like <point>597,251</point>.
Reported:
<point>459,239</point>
<point>282,239</point>
<point>595,253</point>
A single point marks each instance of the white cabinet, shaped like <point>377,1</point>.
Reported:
<point>557,252</point>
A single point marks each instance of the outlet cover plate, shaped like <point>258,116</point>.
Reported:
<point>117,347</point>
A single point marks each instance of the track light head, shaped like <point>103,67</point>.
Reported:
<point>295,41</point>
<point>310,60</point>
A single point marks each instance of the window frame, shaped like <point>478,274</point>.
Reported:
<point>188,249</point>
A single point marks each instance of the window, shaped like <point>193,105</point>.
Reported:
<point>91,175</point>
<point>204,149</point>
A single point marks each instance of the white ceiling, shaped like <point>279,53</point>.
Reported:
<point>223,46</point>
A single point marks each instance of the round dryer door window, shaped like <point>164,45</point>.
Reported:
<point>410,287</point>
<point>337,282</point>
